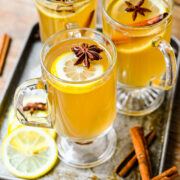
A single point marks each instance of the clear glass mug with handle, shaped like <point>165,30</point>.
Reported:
<point>145,59</point>
<point>54,15</point>
<point>82,112</point>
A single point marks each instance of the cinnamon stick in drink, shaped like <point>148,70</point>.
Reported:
<point>88,23</point>
<point>4,44</point>
<point>142,153</point>
<point>169,174</point>
<point>129,161</point>
<point>149,22</point>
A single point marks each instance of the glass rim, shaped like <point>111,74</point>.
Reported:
<point>110,68</point>
<point>133,27</point>
<point>60,2</point>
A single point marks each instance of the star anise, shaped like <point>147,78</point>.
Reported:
<point>34,106</point>
<point>86,53</point>
<point>136,9</point>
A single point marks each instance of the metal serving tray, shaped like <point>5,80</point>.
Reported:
<point>28,66</point>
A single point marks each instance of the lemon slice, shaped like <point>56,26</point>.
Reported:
<point>11,115</point>
<point>135,46</point>
<point>13,122</point>
<point>63,67</point>
<point>20,155</point>
<point>116,10</point>
<point>52,13</point>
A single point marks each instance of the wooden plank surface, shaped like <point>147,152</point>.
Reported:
<point>18,16</point>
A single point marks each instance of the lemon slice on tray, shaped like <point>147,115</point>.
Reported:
<point>29,152</point>
<point>13,122</point>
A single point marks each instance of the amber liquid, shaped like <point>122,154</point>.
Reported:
<point>86,110</point>
<point>138,60</point>
<point>54,17</point>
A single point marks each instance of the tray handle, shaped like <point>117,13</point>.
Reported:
<point>28,96</point>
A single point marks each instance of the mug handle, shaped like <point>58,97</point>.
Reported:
<point>32,88</point>
<point>167,80</point>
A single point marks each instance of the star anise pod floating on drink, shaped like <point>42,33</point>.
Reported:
<point>86,53</point>
<point>34,106</point>
<point>136,9</point>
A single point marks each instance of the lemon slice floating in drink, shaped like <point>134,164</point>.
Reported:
<point>116,10</point>
<point>63,67</point>
<point>29,152</point>
<point>63,12</point>
<point>129,41</point>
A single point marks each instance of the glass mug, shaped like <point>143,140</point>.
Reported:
<point>81,112</point>
<point>145,60</point>
<point>54,15</point>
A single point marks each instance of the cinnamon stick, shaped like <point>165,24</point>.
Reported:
<point>149,22</point>
<point>142,153</point>
<point>90,18</point>
<point>4,44</point>
<point>129,161</point>
<point>169,174</point>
